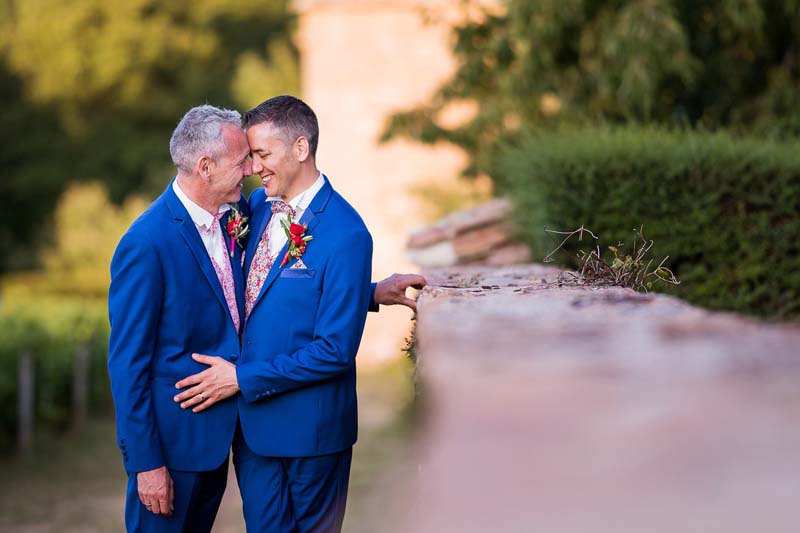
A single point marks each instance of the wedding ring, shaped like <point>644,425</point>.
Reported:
<point>202,397</point>
<point>148,505</point>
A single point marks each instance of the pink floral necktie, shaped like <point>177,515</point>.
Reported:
<point>225,274</point>
<point>262,261</point>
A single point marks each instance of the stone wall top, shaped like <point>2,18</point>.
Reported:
<point>550,407</point>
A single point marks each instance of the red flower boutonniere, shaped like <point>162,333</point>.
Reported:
<point>237,227</point>
<point>296,233</point>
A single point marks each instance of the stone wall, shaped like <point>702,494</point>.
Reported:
<point>551,408</point>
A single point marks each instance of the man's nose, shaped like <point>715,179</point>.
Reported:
<point>248,168</point>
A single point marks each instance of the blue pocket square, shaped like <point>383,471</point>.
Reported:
<point>298,273</point>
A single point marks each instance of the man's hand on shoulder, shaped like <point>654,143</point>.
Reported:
<point>210,386</point>
<point>156,490</point>
<point>392,290</point>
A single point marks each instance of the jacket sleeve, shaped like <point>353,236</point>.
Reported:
<point>338,327</point>
<point>373,307</point>
<point>134,306</point>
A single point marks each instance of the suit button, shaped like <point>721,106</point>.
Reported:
<point>234,357</point>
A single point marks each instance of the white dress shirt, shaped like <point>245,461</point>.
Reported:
<point>203,220</point>
<point>277,235</point>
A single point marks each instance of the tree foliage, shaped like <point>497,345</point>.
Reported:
<point>716,63</point>
<point>76,264</point>
<point>91,90</point>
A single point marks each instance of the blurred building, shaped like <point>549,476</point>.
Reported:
<point>362,60</point>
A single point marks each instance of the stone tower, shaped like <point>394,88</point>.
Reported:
<point>361,60</point>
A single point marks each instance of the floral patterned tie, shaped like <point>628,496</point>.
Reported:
<point>225,273</point>
<point>262,261</point>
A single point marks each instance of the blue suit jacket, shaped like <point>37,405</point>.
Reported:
<point>165,302</point>
<point>297,371</point>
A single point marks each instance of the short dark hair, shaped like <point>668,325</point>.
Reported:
<point>290,115</point>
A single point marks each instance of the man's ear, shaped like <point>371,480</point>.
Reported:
<point>302,150</point>
<point>203,166</point>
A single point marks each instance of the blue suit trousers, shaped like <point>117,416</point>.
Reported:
<point>196,501</point>
<point>292,494</point>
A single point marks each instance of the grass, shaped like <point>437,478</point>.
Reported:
<point>72,483</point>
<point>75,483</point>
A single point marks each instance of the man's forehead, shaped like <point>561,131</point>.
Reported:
<point>233,133</point>
<point>264,131</point>
<point>235,142</point>
<point>244,150</point>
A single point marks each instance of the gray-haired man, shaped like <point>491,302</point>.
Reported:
<point>176,289</point>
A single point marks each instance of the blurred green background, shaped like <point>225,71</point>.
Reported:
<point>679,115</point>
<point>90,92</point>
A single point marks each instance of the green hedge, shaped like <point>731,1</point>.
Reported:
<point>725,210</point>
<point>52,336</point>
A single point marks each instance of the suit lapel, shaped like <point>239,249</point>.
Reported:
<point>188,231</point>
<point>310,217</point>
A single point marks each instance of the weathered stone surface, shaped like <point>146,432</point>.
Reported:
<point>509,254</point>
<point>479,242</point>
<point>427,236</point>
<point>565,409</point>
<point>480,234</point>
<point>478,217</point>
<point>436,255</point>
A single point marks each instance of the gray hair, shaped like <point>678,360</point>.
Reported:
<point>199,133</point>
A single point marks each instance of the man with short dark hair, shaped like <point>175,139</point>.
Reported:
<point>307,293</point>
